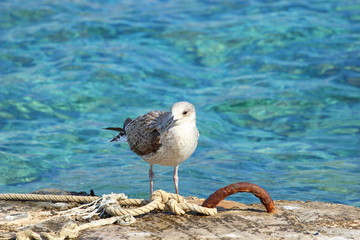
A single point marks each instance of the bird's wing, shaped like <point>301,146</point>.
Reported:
<point>143,133</point>
<point>164,122</point>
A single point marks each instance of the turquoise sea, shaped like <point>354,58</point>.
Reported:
<point>276,85</point>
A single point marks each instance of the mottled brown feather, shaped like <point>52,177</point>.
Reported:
<point>143,133</point>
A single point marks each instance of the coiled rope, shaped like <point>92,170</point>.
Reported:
<point>160,200</point>
<point>111,204</point>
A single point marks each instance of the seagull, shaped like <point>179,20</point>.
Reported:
<point>164,138</point>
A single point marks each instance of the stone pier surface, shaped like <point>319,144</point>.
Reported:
<point>293,220</point>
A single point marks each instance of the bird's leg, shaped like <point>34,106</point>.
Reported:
<point>176,179</point>
<point>151,176</point>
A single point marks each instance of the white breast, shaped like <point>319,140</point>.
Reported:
<point>177,145</point>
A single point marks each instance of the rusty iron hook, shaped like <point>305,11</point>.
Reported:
<point>219,195</point>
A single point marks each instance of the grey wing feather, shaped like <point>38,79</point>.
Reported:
<point>164,122</point>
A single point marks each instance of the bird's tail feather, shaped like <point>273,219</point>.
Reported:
<point>118,129</point>
<point>121,137</point>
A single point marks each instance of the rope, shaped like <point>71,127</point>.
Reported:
<point>72,230</point>
<point>53,198</point>
<point>112,204</point>
<point>160,200</point>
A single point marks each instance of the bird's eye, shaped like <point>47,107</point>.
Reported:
<point>184,113</point>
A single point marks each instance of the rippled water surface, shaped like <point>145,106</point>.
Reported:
<point>276,85</point>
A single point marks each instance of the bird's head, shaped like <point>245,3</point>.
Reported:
<point>183,112</point>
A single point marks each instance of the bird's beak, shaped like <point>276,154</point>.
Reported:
<point>173,120</point>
